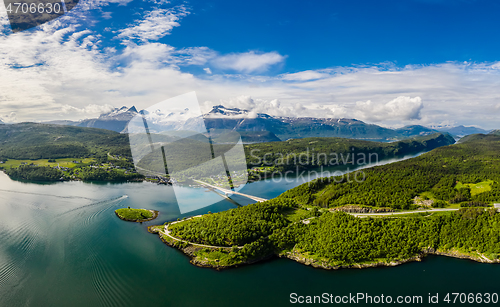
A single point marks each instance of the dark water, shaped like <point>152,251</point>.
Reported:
<point>62,245</point>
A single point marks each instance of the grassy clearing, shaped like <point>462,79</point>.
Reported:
<point>296,215</point>
<point>217,257</point>
<point>476,188</point>
<point>65,162</point>
<point>134,214</point>
<point>427,195</point>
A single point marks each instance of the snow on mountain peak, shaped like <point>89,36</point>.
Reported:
<point>123,111</point>
<point>220,110</point>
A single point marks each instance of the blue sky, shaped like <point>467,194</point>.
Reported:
<point>393,63</point>
<point>320,34</point>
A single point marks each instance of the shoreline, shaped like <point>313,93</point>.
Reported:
<point>193,252</point>
<point>297,257</point>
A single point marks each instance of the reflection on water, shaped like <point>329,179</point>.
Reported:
<point>62,245</point>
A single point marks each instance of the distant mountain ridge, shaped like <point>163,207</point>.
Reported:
<point>462,130</point>
<point>116,120</point>
<point>495,132</point>
<point>252,125</point>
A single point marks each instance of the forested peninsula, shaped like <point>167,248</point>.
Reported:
<point>307,223</point>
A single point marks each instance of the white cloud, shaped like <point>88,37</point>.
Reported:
<point>305,75</point>
<point>248,62</point>
<point>61,67</point>
<point>10,118</point>
<point>91,109</point>
<point>155,25</point>
<point>402,108</point>
<point>195,55</point>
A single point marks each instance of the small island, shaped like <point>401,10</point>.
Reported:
<point>136,215</point>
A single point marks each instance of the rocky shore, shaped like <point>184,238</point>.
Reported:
<point>193,252</point>
<point>303,259</point>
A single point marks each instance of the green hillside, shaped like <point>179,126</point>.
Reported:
<point>314,152</point>
<point>41,141</point>
<point>433,175</point>
<point>32,145</point>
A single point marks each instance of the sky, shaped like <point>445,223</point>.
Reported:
<point>391,63</point>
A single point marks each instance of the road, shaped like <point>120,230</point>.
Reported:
<point>226,191</point>
<point>167,233</point>
<point>404,212</point>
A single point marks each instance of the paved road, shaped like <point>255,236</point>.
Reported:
<point>404,212</point>
<point>259,199</point>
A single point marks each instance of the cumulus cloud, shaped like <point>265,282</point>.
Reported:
<point>272,107</point>
<point>402,108</point>
<point>248,62</point>
<point>91,109</point>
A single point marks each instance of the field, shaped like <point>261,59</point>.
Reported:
<point>65,162</point>
<point>476,188</point>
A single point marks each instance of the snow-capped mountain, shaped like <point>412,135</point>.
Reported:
<point>251,125</point>
<point>116,120</point>
<point>220,110</point>
<point>120,113</point>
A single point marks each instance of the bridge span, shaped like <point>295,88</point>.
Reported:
<point>226,191</point>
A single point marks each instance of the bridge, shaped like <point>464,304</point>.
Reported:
<point>226,191</point>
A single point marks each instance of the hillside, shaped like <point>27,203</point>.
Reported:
<point>30,141</point>
<point>441,175</point>
<point>311,152</point>
<point>266,159</point>
<point>43,141</point>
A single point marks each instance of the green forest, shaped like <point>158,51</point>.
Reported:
<point>31,141</point>
<point>301,221</point>
<point>337,238</point>
<point>263,159</point>
<point>85,173</point>
<point>41,141</point>
<point>314,152</point>
<point>394,185</point>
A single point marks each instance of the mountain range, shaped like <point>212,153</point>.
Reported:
<point>260,127</point>
<point>116,120</point>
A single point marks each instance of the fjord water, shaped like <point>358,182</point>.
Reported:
<point>62,245</point>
